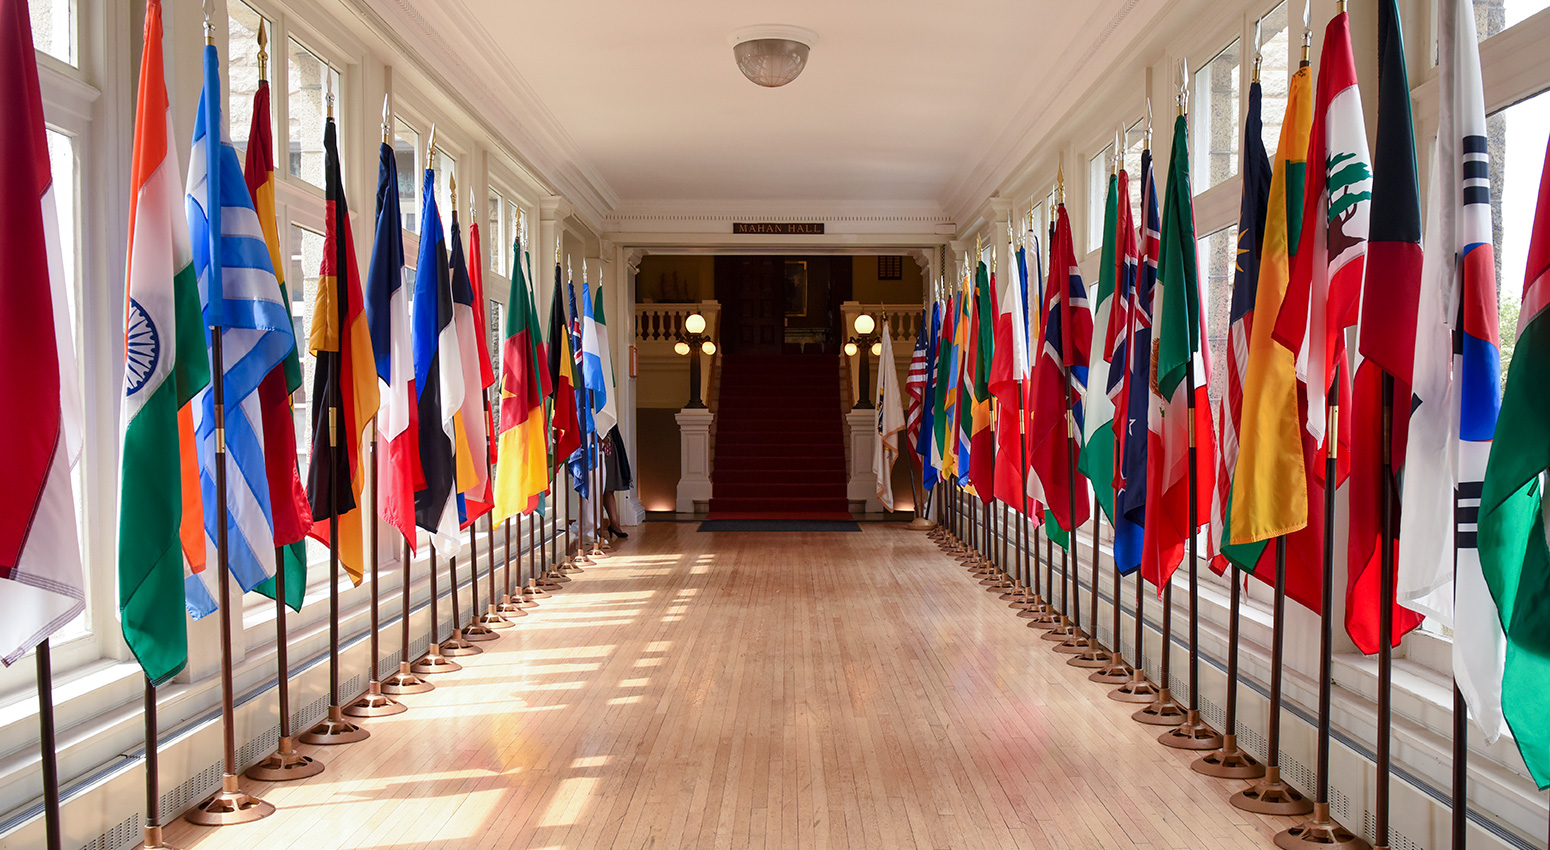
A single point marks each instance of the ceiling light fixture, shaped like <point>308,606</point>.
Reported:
<point>772,55</point>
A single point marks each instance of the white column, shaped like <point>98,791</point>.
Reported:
<point>694,470</point>
<point>862,426</point>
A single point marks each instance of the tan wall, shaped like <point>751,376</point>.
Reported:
<point>674,279</point>
<point>869,290</point>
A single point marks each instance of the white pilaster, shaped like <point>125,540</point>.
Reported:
<point>862,425</point>
<point>694,465</point>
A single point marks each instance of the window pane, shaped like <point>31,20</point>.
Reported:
<point>1213,107</point>
<point>61,162</point>
<point>1217,254</point>
<point>1275,75</point>
<point>1135,142</point>
<point>301,279</point>
<point>495,233</point>
<point>516,223</point>
<point>242,70</point>
<point>406,157</point>
<point>1493,16</point>
<point>446,170</point>
<point>53,28</point>
<point>1098,195</point>
<point>310,81</point>
<point>1516,144</point>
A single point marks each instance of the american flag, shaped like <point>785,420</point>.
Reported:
<point>915,384</point>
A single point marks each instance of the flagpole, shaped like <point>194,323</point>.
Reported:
<point>1231,762</point>
<point>1320,830</point>
<point>476,630</point>
<point>49,746</point>
<point>374,703</point>
<point>493,618</point>
<point>153,828</point>
<point>405,681</point>
<point>284,763</point>
<point>434,661</point>
<point>1073,641</point>
<point>1193,733</point>
<point>1094,656</point>
<point>230,805</point>
<point>1385,621</point>
<point>1139,689</point>
<point>458,644</point>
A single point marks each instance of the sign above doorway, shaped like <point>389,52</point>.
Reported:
<point>776,228</point>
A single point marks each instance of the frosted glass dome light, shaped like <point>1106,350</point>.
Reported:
<point>772,55</point>
<point>695,323</point>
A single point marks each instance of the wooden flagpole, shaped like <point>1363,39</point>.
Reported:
<point>374,703</point>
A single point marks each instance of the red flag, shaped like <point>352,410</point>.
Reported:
<point>1053,449</point>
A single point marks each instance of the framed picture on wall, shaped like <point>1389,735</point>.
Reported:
<point>796,287</point>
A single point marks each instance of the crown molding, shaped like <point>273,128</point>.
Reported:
<point>716,217</point>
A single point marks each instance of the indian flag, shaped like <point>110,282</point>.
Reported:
<point>165,365</point>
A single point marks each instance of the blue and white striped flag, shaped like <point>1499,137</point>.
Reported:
<point>241,300</point>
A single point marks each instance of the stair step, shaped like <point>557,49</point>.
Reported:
<point>781,475</point>
<point>777,506</point>
<point>768,491</point>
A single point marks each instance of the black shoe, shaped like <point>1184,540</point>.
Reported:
<point>615,531</point>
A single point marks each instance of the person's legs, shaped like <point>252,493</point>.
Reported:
<point>608,508</point>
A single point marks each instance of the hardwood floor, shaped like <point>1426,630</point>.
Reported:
<point>758,690</point>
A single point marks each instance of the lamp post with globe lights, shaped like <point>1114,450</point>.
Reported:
<point>691,342</point>
<point>867,343</point>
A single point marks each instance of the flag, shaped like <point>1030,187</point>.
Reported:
<point>240,297</point>
<point>522,470</point>
<point>1124,323</point>
<point>916,383</point>
<point>947,384</point>
<point>605,408</point>
<point>287,495</point>
<point>963,409</point>
<point>1513,554</point>
<point>941,399</point>
<point>1182,366</point>
<point>580,461</point>
<point>565,424</point>
<point>1276,477</point>
<point>40,553</point>
<point>1059,374</point>
<point>1245,285</point>
<point>1006,384</point>
<point>982,446</point>
<point>1455,398</point>
<point>1097,463</point>
<point>472,438</point>
<point>890,421</point>
<point>165,365</point>
<point>1385,344</point>
<point>1325,289</point>
<point>1033,298</point>
<point>343,375</point>
<point>482,501</point>
<point>438,381</point>
<point>387,317</point>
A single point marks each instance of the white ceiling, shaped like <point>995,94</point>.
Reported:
<point>903,101</point>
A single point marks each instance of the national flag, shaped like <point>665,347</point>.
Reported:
<point>438,381</point>
<point>947,383</point>
<point>1245,285</point>
<point>1060,373</point>
<point>890,421</point>
<point>982,451</point>
<point>565,423</point>
<point>1097,464</point>
<point>482,501</point>
<point>605,406</point>
<point>1131,502</point>
<point>1325,290</point>
<point>473,440</point>
<point>1385,345</point>
<point>1182,366</point>
<point>1513,554</point>
<point>915,383</point>
<point>387,316</point>
<point>1275,479</point>
<point>1033,298</point>
<point>941,410</point>
<point>968,351</point>
<point>1456,405</point>
<point>241,302</point>
<point>344,384</point>
<point>40,426</point>
<point>1008,368</point>
<point>921,442</point>
<point>165,365</point>
<point>522,470</point>
<point>580,461</point>
<point>1123,325</point>
<point>287,495</point>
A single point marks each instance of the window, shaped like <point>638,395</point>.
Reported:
<point>65,174</point>
<point>1491,16</point>
<point>306,251</point>
<point>495,234</point>
<point>446,171</point>
<point>1516,142</point>
<point>1217,253</point>
<point>311,81</point>
<point>1135,142</point>
<point>516,236</point>
<point>1098,170</point>
<point>1275,74</point>
<point>1213,108</point>
<point>53,28</point>
<point>242,70</point>
<point>406,157</point>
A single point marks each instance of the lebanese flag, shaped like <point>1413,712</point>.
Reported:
<point>40,424</point>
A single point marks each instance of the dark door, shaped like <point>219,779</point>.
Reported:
<point>752,295</point>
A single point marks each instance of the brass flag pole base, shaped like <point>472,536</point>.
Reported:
<point>154,840</point>
<point>478,631</point>
<point>434,662</point>
<point>1016,594</point>
<point>581,558</point>
<point>509,604</point>
<point>456,645</point>
<point>374,703</point>
<point>1000,584</point>
<point>1095,657</point>
<point>1319,831</point>
<point>1043,617</point>
<point>230,805</point>
<point>920,523</point>
<point>598,551</point>
<point>492,618</point>
<point>1271,796</point>
<point>405,682</point>
<point>1163,711</point>
<point>532,592</point>
<point>1061,630</point>
<point>1192,734</point>
<point>1115,672</point>
<point>283,765</point>
<point>1075,643</point>
<point>553,579</point>
<point>1229,762</point>
<point>1138,689</point>
<point>334,729</point>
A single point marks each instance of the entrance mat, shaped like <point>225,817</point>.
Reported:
<point>807,525</point>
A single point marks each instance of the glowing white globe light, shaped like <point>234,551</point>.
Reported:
<point>865,324</point>
<point>695,324</point>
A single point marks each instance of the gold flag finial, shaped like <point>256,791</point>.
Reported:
<point>387,131</point>
<point>452,192</point>
<point>1060,182</point>
<point>263,52</point>
<point>1307,33</point>
<point>209,27</point>
<point>430,149</point>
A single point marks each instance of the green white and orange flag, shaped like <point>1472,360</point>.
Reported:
<point>165,366</point>
<point>522,465</point>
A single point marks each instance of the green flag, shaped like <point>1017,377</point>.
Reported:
<point>1097,458</point>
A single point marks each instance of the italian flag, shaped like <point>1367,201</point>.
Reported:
<point>165,365</point>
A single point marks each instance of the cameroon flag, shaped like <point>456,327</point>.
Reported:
<point>522,468</point>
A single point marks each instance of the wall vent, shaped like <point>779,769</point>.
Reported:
<point>126,834</point>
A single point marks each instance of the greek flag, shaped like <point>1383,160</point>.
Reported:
<point>240,299</point>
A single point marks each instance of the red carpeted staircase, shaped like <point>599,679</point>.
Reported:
<point>780,439</point>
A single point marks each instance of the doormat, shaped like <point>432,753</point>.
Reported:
<point>756,525</point>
